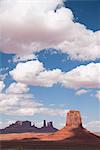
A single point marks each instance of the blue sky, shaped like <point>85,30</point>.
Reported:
<point>44,79</point>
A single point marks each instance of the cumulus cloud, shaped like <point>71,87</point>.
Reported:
<point>27,27</point>
<point>98,95</point>
<point>16,101</point>
<point>17,88</point>
<point>34,73</point>
<point>84,76</point>
<point>25,105</point>
<point>18,104</point>
<point>80,92</point>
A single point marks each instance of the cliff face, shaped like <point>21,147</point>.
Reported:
<point>74,119</point>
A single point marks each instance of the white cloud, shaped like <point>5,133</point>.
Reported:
<point>98,95</point>
<point>23,58</point>
<point>18,104</point>
<point>80,92</point>
<point>29,26</point>
<point>2,85</point>
<point>6,123</point>
<point>15,101</point>
<point>93,126</point>
<point>25,105</point>
<point>17,88</point>
<point>84,76</point>
<point>52,111</point>
<point>34,73</point>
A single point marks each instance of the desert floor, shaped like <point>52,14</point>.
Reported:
<point>45,145</point>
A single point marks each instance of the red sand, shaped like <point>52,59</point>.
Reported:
<point>20,136</point>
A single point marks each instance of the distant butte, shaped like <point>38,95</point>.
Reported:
<point>25,126</point>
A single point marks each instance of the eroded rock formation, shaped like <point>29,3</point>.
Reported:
<point>73,130</point>
<point>25,126</point>
<point>74,119</point>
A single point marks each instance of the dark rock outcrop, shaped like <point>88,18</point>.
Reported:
<point>25,126</point>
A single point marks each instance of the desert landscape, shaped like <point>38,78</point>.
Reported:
<point>72,137</point>
<point>49,74</point>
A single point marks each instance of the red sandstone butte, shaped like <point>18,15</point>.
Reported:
<point>73,131</point>
<point>73,119</point>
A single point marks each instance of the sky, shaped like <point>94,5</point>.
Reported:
<point>49,61</point>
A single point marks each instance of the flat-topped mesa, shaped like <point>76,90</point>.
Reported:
<point>74,119</point>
